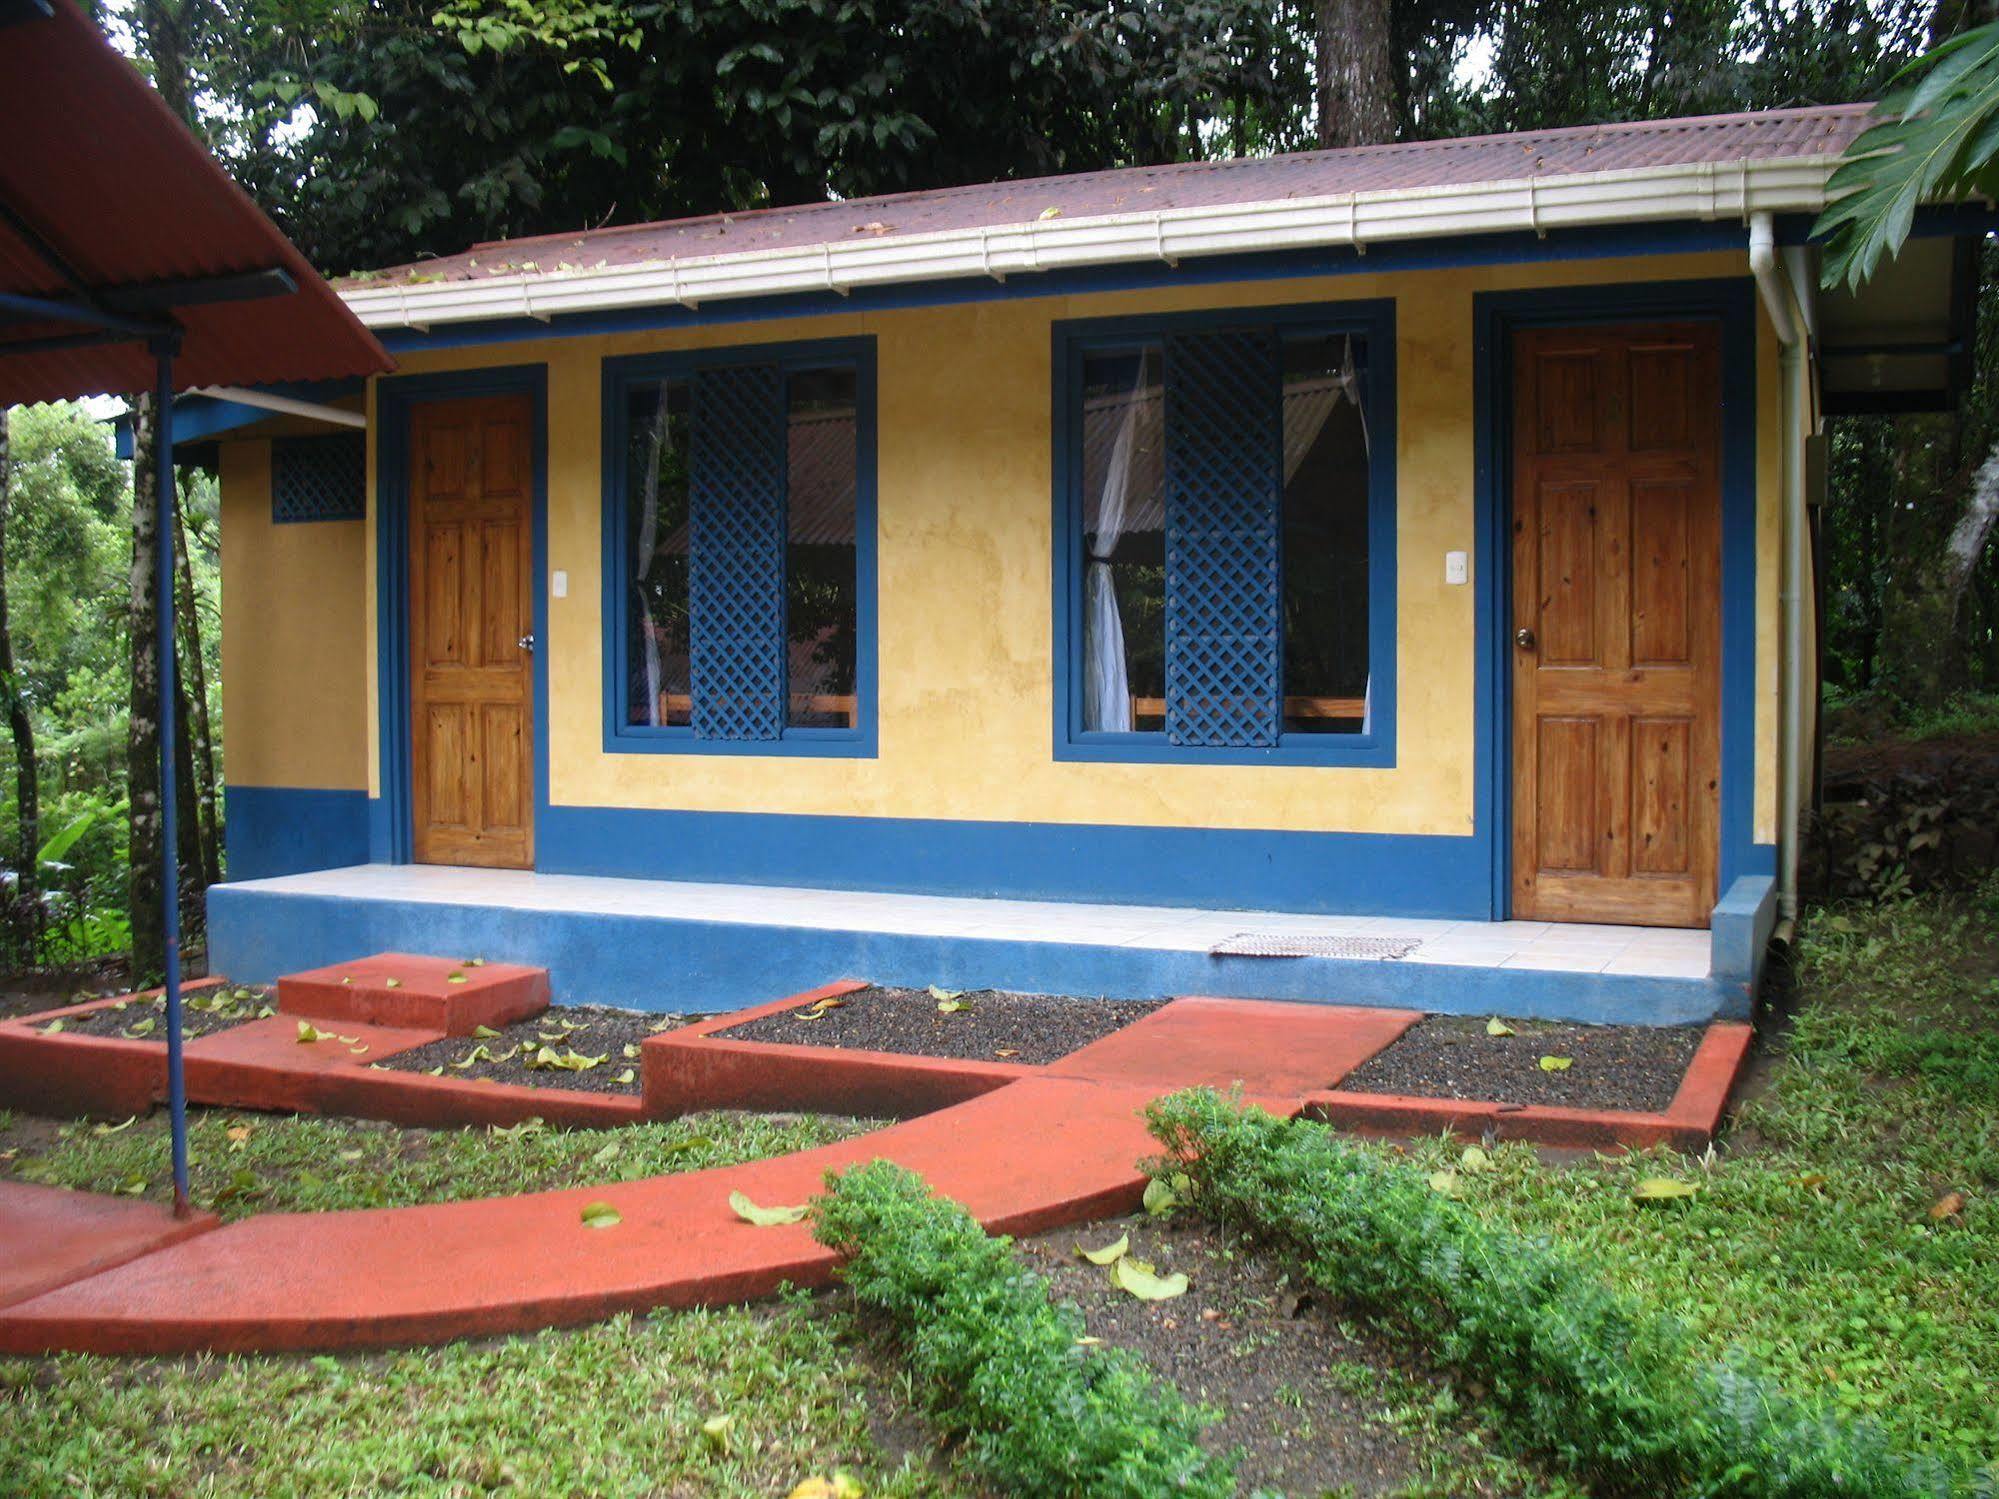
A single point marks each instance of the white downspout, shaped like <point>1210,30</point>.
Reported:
<point>1778,300</point>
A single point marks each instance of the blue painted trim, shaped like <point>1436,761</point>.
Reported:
<point>200,419</point>
<point>1358,873</point>
<point>1730,303</point>
<point>273,830</point>
<point>620,376</point>
<point>656,963</point>
<point>1076,338</point>
<point>390,833</point>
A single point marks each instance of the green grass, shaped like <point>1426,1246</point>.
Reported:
<point>617,1409</point>
<point>240,1164</point>
<point>1811,1245</point>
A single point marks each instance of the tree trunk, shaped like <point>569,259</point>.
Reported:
<point>27,787</point>
<point>1356,82</point>
<point>142,736</point>
<point>199,731</point>
<point>1923,654</point>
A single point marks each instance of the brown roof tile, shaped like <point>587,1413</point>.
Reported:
<point>1812,131</point>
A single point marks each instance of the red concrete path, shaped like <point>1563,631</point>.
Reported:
<point>52,1237</point>
<point>1062,1147</point>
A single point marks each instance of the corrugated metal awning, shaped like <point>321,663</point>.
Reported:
<point>107,199</point>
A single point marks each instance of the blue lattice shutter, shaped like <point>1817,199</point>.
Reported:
<point>319,478</point>
<point>736,532</point>
<point>1224,509</point>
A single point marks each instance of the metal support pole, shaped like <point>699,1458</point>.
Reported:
<point>163,350</point>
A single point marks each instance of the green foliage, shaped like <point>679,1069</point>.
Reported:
<point>1936,141</point>
<point>239,1164</point>
<point>613,1411</point>
<point>1585,1372</point>
<point>1000,1365</point>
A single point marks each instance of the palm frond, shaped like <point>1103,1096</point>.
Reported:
<point>1935,141</point>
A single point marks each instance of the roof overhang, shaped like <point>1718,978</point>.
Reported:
<point>1696,192</point>
<point>1903,342</point>
<point>120,234</point>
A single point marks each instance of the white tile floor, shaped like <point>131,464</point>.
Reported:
<point>1637,951</point>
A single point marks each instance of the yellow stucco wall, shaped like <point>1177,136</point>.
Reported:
<point>964,557</point>
<point>295,639</point>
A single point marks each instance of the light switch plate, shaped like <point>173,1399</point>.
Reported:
<point>558,584</point>
<point>1457,567</point>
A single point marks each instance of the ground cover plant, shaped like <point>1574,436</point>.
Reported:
<point>1588,1374</point>
<point>1311,1402</point>
<point>999,1365</point>
<point>1845,1233</point>
<point>736,1402</point>
<point>243,1163</point>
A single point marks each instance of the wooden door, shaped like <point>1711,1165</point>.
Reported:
<point>1617,623</point>
<point>471,614</point>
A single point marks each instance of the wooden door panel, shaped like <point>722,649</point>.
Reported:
<point>1565,604</point>
<point>1662,602</point>
<point>1568,762</point>
<point>1616,585</point>
<point>1664,409</point>
<point>1662,774</point>
<point>471,604</point>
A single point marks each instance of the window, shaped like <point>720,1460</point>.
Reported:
<point>1227,515</point>
<point>739,550</point>
<point>319,478</point>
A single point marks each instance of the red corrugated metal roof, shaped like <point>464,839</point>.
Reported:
<point>97,165</point>
<point>1762,136</point>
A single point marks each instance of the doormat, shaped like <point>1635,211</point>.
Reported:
<point>1279,945</point>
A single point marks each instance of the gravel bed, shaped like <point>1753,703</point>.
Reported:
<point>994,1025</point>
<point>607,1038</point>
<point>1315,1403</point>
<point>1631,1067</point>
<point>202,1013</point>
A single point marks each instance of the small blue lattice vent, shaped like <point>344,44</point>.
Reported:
<point>736,531</point>
<point>319,478</point>
<point>1224,513</point>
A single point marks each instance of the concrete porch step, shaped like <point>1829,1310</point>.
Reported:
<point>455,996</point>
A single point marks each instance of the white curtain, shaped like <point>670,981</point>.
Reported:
<point>648,540</point>
<point>1106,680</point>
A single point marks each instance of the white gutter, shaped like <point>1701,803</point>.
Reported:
<point>265,401</point>
<point>1649,195</point>
<point>1779,300</point>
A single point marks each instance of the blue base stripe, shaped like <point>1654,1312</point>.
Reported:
<point>273,830</point>
<point>1344,873</point>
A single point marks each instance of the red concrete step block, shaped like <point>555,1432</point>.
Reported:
<point>417,993</point>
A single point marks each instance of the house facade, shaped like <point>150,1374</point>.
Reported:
<point>1417,534</point>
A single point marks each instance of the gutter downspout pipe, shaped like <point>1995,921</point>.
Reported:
<point>1779,301</point>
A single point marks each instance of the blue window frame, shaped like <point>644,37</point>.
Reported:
<point>1225,520</point>
<point>739,550</point>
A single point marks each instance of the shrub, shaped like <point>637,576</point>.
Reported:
<point>1580,1372</point>
<point>1000,1365</point>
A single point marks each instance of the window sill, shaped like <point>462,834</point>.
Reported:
<point>823,744</point>
<point>1337,751</point>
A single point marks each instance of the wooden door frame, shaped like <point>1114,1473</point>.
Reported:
<point>1730,303</point>
<point>391,831</point>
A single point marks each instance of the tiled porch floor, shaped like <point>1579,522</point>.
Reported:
<point>1621,950</point>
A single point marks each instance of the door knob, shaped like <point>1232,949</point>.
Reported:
<point>526,643</point>
<point>1524,638</point>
